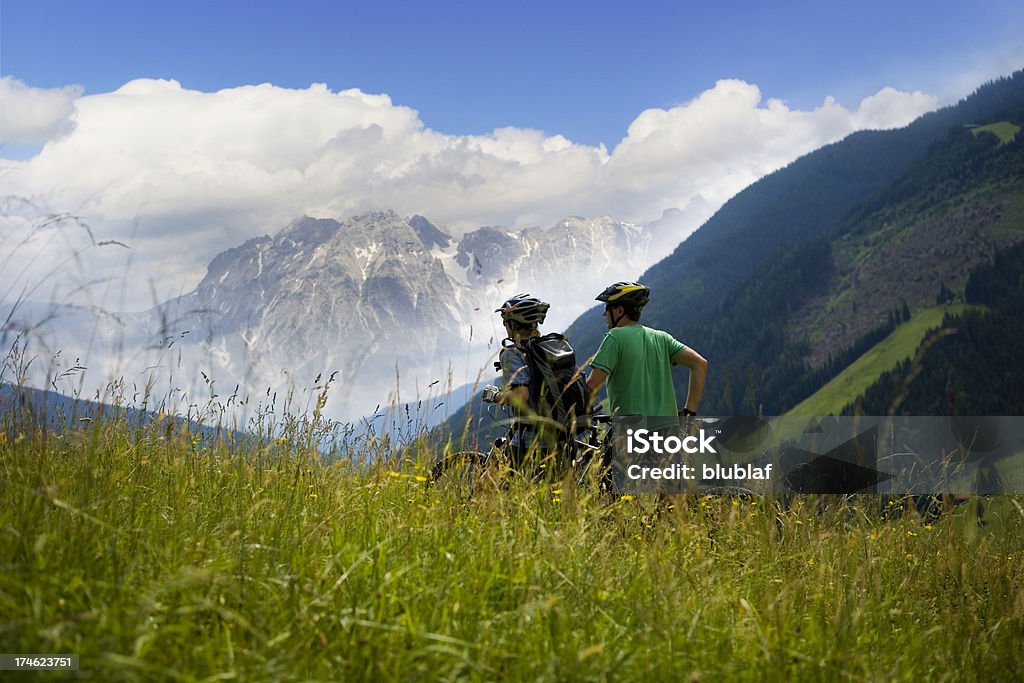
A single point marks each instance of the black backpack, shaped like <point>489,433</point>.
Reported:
<point>558,389</point>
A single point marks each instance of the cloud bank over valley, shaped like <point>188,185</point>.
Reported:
<point>180,175</point>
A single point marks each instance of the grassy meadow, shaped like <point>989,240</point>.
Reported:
<point>1004,130</point>
<point>853,381</point>
<point>155,554</point>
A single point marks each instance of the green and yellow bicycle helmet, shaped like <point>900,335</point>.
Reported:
<point>626,294</point>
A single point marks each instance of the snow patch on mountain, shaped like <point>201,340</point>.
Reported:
<point>382,303</point>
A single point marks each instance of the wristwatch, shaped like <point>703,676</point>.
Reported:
<point>686,412</point>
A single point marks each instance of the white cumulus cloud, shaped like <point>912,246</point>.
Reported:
<point>181,174</point>
<point>890,108</point>
<point>32,116</point>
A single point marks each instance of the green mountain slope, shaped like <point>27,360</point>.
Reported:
<point>971,367</point>
<point>912,248</point>
<point>1004,130</point>
<point>900,346</point>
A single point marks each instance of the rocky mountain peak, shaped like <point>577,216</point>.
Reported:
<point>371,295</point>
<point>306,231</point>
<point>430,235</point>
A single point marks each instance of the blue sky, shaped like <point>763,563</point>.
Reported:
<point>583,70</point>
<point>184,128</point>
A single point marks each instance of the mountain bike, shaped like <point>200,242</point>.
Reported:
<point>585,457</point>
<point>569,456</point>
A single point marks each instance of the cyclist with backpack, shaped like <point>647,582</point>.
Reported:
<point>636,361</point>
<point>542,381</point>
<point>522,315</point>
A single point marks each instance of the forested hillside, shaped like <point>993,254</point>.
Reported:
<point>813,310</point>
<point>971,365</point>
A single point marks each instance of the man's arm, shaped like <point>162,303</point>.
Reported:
<point>518,397</point>
<point>595,380</point>
<point>698,373</point>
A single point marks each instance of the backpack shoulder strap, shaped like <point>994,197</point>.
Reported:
<point>536,373</point>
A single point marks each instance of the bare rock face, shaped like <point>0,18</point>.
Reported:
<point>374,300</point>
<point>324,297</point>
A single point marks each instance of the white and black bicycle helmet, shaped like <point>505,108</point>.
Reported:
<point>524,310</point>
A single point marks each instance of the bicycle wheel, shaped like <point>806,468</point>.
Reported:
<point>462,471</point>
<point>724,490</point>
<point>582,459</point>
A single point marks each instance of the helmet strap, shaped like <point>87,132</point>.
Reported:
<point>615,321</point>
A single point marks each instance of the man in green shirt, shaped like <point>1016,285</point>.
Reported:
<point>637,361</point>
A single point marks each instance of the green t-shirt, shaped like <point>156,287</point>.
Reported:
<point>638,361</point>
